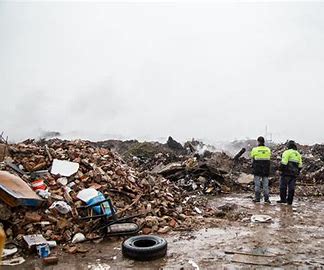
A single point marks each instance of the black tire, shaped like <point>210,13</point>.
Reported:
<point>144,247</point>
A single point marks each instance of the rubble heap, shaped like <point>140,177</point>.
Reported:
<point>163,204</point>
<point>163,187</point>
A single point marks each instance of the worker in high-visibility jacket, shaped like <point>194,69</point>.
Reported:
<point>261,156</point>
<point>291,164</point>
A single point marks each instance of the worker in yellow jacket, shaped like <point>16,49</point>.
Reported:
<point>291,164</point>
<point>261,169</point>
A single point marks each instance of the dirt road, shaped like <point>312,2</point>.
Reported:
<point>293,239</point>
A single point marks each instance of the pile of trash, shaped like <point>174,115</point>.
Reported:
<point>201,169</point>
<point>192,167</point>
<point>43,184</point>
<point>210,175</point>
<point>48,187</point>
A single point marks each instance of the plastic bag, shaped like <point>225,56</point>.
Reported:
<point>61,207</point>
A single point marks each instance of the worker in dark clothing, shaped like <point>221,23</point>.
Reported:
<point>291,164</point>
<point>261,168</point>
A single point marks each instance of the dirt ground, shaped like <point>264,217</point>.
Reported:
<point>294,239</point>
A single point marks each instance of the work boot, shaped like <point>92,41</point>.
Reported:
<point>281,201</point>
<point>256,200</point>
<point>267,201</point>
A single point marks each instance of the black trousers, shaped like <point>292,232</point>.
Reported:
<point>290,183</point>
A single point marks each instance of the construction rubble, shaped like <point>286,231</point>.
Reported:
<point>165,186</point>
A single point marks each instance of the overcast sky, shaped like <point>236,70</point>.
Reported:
<point>139,70</point>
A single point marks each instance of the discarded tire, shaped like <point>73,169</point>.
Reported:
<point>144,247</point>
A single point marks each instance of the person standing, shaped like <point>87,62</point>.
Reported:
<point>261,156</point>
<point>291,164</point>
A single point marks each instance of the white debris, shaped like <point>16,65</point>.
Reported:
<point>194,265</point>
<point>245,178</point>
<point>61,207</point>
<point>260,218</point>
<point>78,238</point>
<point>64,167</point>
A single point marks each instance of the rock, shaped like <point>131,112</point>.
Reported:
<point>201,180</point>
<point>173,223</point>
<point>9,232</point>
<point>5,212</point>
<point>33,217</point>
<point>151,221</point>
<point>82,249</point>
<point>219,213</point>
<point>50,260</point>
<point>71,250</point>
<point>182,217</point>
<point>62,224</point>
<point>146,230</point>
<point>52,219</point>
<point>155,228</point>
<point>165,229</point>
<point>228,207</point>
<point>245,178</point>
<point>48,233</point>
<point>62,181</point>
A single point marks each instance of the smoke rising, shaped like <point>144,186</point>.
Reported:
<point>212,71</point>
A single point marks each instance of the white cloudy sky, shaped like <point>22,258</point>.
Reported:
<point>216,71</point>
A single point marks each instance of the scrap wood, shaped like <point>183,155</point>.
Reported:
<point>251,254</point>
<point>48,152</point>
<point>260,263</point>
<point>272,263</point>
<point>123,192</point>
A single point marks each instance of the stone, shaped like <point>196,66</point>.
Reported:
<point>173,223</point>
<point>50,260</point>
<point>146,230</point>
<point>5,212</point>
<point>165,229</point>
<point>33,217</point>
<point>151,221</point>
<point>182,216</point>
<point>71,250</point>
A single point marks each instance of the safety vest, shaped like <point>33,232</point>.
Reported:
<point>261,156</point>
<point>261,153</point>
<point>291,162</point>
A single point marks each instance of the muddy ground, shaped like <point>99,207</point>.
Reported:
<point>293,240</point>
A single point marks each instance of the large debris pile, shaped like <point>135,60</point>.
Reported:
<point>210,175</point>
<point>162,202</point>
<point>160,182</point>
